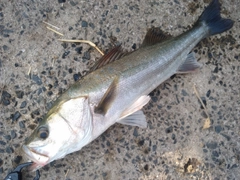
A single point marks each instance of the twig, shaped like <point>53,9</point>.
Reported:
<point>207,122</point>
<point>51,25</point>
<point>83,41</point>
<point>29,71</point>
<point>66,173</point>
<point>55,31</point>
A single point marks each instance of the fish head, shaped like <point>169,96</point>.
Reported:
<point>65,129</point>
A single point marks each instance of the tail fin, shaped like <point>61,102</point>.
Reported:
<point>211,16</point>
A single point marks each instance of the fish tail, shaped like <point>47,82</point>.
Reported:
<point>212,18</point>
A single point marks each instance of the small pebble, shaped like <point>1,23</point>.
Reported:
<point>92,25</point>
<point>184,93</point>
<point>214,107</point>
<point>146,167</point>
<point>5,94</point>
<point>19,94</point>
<point>234,166</point>
<point>23,104</point>
<point>205,150</point>
<point>135,132</point>
<point>212,145</point>
<point>65,54</point>
<point>76,77</point>
<point>61,1</point>
<point>39,91</point>
<point>208,93</point>
<point>169,107</point>
<point>9,150</point>
<point>226,136</point>
<point>79,50</point>
<point>73,3</point>
<point>104,174</point>
<point>21,124</point>
<point>141,142</point>
<point>17,159</point>
<point>6,102</point>
<point>134,46</point>
<point>218,129</point>
<point>5,48</point>
<point>1,162</point>
<point>84,24</point>
<point>154,98</point>
<point>64,45</point>
<point>13,134</point>
<point>2,143</point>
<point>215,70</point>
<point>50,86</point>
<point>49,93</point>
<point>16,116</point>
<point>215,154</point>
<point>86,55</point>
<point>7,137</point>
<point>36,79</point>
<point>169,129</point>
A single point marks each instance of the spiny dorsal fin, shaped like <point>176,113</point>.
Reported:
<point>155,35</point>
<point>107,98</point>
<point>114,54</point>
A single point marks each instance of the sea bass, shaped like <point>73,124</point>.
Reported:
<point>117,89</point>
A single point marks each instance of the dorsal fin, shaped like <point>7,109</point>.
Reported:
<point>155,35</point>
<point>113,55</point>
<point>107,98</point>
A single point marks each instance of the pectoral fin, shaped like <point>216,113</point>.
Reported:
<point>190,64</point>
<point>107,99</point>
<point>135,119</point>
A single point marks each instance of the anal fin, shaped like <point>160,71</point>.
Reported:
<point>190,64</point>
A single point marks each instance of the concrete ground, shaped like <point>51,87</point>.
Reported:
<point>179,143</point>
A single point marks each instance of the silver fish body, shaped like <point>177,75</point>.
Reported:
<point>138,74</point>
<point>117,91</point>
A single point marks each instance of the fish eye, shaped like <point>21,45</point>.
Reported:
<point>43,132</point>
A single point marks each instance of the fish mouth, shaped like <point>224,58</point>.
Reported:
<point>39,160</point>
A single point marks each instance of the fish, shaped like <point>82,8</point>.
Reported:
<point>117,88</point>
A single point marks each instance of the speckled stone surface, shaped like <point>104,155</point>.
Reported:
<point>175,145</point>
